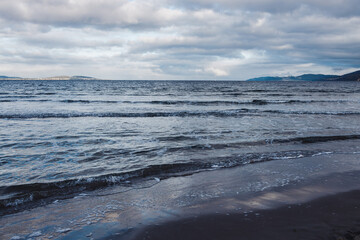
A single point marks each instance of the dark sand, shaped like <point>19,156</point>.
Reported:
<point>332,217</point>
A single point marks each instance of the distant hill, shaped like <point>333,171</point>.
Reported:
<point>7,77</point>
<point>314,77</point>
<point>355,76</point>
<point>51,78</point>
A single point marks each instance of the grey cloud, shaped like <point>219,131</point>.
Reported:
<point>182,39</point>
<point>332,7</point>
<point>102,13</point>
<point>64,42</point>
<point>38,58</point>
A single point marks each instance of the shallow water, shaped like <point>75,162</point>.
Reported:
<point>63,137</point>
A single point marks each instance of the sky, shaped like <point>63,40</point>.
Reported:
<point>178,39</point>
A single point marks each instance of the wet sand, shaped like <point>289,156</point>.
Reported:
<point>332,217</point>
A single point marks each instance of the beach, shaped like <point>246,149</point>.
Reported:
<point>312,198</point>
<point>332,217</point>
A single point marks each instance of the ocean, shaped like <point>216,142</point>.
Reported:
<point>63,138</point>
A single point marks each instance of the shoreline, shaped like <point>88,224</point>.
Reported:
<point>124,213</point>
<point>336,216</point>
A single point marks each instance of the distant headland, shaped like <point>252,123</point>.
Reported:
<point>354,76</point>
<point>51,78</point>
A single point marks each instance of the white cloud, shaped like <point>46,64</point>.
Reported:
<point>217,72</point>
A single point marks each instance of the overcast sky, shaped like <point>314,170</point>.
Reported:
<point>178,39</point>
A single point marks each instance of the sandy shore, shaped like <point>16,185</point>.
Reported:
<point>310,198</point>
<point>332,217</point>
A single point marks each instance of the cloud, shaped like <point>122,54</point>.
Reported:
<point>170,39</point>
<point>80,13</point>
<point>339,8</point>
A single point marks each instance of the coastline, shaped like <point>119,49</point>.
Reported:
<point>335,216</point>
<point>258,192</point>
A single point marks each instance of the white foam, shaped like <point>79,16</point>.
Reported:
<point>63,230</point>
<point>36,234</point>
<point>16,238</point>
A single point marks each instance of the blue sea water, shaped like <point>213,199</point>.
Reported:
<point>58,138</point>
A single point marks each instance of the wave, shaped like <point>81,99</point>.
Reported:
<point>312,112</point>
<point>250,102</point>
<point>45,93</point>
<point>189,102</point>
<point>18,197</point>
<point>17,96</point>
<point>315,139</point>
<point>125,115</point>
<point>189,145</point>
<point>304,140</point>
<point>88,101</point>
<point>119,115</point>
<point>221,146</point>
<point>224,113</point>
